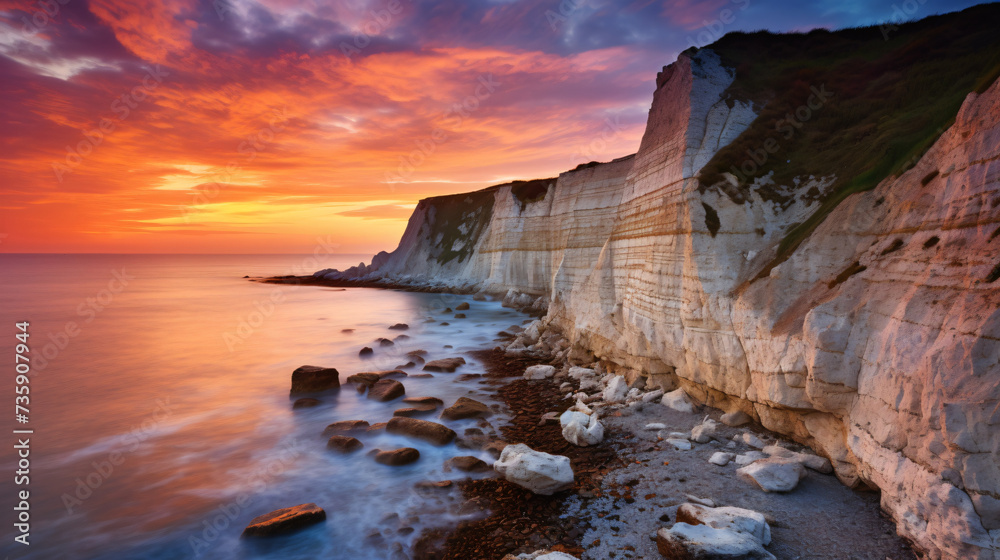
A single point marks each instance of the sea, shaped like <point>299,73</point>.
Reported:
<point>160,417</point>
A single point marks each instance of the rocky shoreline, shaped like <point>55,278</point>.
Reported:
<point>608,467</point>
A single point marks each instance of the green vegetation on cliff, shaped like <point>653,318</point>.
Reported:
<point>862,104</point>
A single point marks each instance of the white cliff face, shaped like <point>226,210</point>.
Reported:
<point>890,371</point>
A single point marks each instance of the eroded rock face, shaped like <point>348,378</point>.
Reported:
<point>284,521</point>
<point>875,343</point>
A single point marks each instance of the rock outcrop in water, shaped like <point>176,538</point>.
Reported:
<point>874,340</point>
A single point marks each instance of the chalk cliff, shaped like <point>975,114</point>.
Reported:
<point>875,341</point>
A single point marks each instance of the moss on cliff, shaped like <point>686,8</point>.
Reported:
<point>458,222</point>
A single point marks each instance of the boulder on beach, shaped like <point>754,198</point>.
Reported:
<point>702,542</point>
<point>399,327</point>
<point>446,365</point>
<point>466,463</point>
<point>731,518</point>
<point>460,315</point>
<point>397,457</point>
<point>616,390</point>
<point>345,427</point>
<point>721,458</point>
<point>704,432</point>
<point>344,444</point>
<point>424,400</point>
<point>808,460</point>
<point>305,403</point>
<point>284,521</point>
<point>313,379</point>
<point>581,430</point>
<point>367,379</point>
<point>774,474</point>
<point>462,306</point>
<point>736,418</point>
<point>386,390</point>
<point>539,472</point>
<point>465,407</point>
<point>539,372</point>
<point>366,352</point>
<point>435,433</point>
<point>678,400</point>
<point>415,410</point>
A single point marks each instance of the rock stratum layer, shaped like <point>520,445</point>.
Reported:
<point>875,342</point>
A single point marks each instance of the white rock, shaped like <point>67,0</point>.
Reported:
<point>736,418</point>
<point>814,462</point>
<point>752,440</point>
<point>731,518</point>
<point>581,407</point>
<point>655,426</point>
<point>539,472</point>
<point>678,435</point>
<point>570,416</point>
<point>581,433</point>
<point>774,474</point>
<point>680,444</point>
<point>721,458</point>
<point>581,373</point>
<point>700,501</point>
<point>539,372</point>
<point>616,390</point>
<point>590,384</point>
<point>705,542</point>
<point>749,457</point>
<point>704,432</point>
<point>566,387</point>
<point>652,395</point>
<point>678,400</point>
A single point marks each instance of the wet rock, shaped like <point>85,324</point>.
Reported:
<point>616,390</point>
<point>390,373</point>
<point>376,427</point>
<point>420,375</point>
<point>284,521</point>
<point>539,472</point>
<point>399,327</point>
<point>424,401</point>
<point>446,365</point>
<point>415,410</point>
<point>397,457</point>
<point>386,390</point>
<point>462,306</point>
<point>678,400</point>
<point>417,356</point>
<point>313,379</point>
<point>774,474</point>
<point>721,458</point>
<point>702,542</point>
<point>401,337</point>
<point>406,365</point>
<point>345,427</point>
<point>346,331</point>
<point>539,372</point>
<point>465,407</point>
<point>366,352</point>
<point>730,518</point>
<point>736,418</point>
<point>384,342</point>
<point>460,316</point>
<point>468,376</point>
<point>367,379</point>
<point>495,447</point>
<point>467,463</point>
<point>344,444</point>
<point>432,432</point>
<point>305,403</point>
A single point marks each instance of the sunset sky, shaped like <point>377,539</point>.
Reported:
<point>258,126</point>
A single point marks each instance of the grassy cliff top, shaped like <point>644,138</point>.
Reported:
<point>888,92</point>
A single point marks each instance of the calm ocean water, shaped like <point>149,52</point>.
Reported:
<point>161,416</point>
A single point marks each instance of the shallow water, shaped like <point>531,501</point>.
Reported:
<point>163,422</point>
